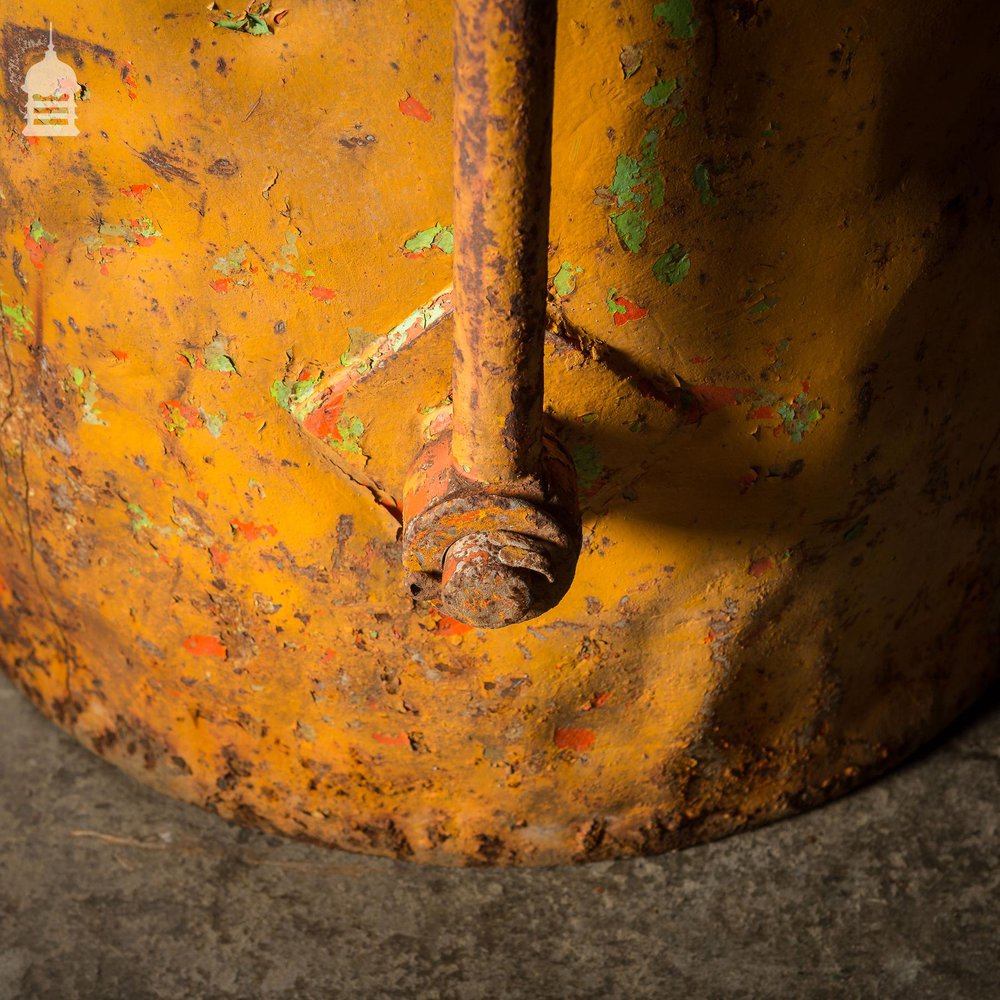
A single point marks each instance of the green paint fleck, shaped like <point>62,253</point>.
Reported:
<point>703,185</point>
<point>672,267</point>
<point>251,23</point>
<point>679,119</point>
<point>628,173</point>
<point>634,179</point>
<point>232,262</point>
<point>281,395</point>
<point>19,316</point>
<point>351,429</point>
<point>139,518</point>
<point>564,281</point>
<point>132,231</point>
<point>764,306</point>
<point>613,306</point>
<point>678,15</point>
<point>659,93</point>
<point>85,382</point>
<point>144,227</point>
<point>589,468</point>
<point>799,415</point>
<point>631,226</point>
<point>38,232</point>
<point>215,356</point>
<point>437,236</point>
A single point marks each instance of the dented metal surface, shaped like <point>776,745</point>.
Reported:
<point>771,316</point>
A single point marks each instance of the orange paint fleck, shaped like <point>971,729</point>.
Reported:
<point>451,626</point>
<point>328,655</point>
<point>203,497</point>
<point>221,285</point>
<point>250,531</point>
<point>399,740</point>
<point>574,739</point>
<point>632,311</point>
<point>761,413</point>
<point>120,355</point>
<point>411,107</point>
<point>761,566</point>
<point>205,645</point>
<point>137,191</point>
<point>323,294</point>
<point>37,249</point>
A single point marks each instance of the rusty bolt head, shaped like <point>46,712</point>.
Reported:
<point>497,578</point>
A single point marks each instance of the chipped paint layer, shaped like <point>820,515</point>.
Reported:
<point>209,399</point>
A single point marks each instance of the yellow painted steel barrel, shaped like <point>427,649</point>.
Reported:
<point>772,350</point>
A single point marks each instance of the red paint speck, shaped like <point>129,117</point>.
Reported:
<point>714,397</point>
<point>761,413</point>
<point>632,311</point>
<point>219,556</point>
<point>399,740</point>
<point>411,107</point>
<point>203,497</point>
<point>221,285</point>
<point>574,739</point>
<point>322,422</point>
<point>205,645</point>
<point>761,566</point>
<point>323,294</point>
<point>137,191</point>
<point>120,355</point>
<point>250,531</point>
<point>328,655</point>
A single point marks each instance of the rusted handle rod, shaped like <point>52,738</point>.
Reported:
<point>504,63</point>
<point>491,523</point>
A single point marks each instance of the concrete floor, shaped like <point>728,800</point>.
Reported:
<point>109,891</point>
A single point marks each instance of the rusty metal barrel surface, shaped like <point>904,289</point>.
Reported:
<point>743,547</point>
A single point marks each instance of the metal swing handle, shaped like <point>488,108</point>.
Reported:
<point>491,522</point>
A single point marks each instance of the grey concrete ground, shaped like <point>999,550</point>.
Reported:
<point>109,891</point>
